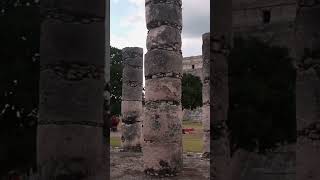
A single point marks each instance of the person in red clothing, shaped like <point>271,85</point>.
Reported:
<point>114,123</point>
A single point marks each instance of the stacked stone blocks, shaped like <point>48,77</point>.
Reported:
<point>206,94</point>
<point>131,105</point>
<point>162,126</point>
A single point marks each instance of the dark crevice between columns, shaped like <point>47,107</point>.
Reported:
<point>70,16</point>
<point>133,83</point>
<point>155,24</point>
<point>75,71</point>
<point>176,2</point>
<point>167,47</point>
<point>162,75</point>
<point>155,103</point>
<point>63,123</point>
<point>165,171</point>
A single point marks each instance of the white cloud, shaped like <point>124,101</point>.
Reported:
<point>136,33</point>
<point>115,1</point>
<point>138,3</point>
<point>196,21</point>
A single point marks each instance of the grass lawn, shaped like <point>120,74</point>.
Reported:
<point>115,141</point>
<point>191,142</point>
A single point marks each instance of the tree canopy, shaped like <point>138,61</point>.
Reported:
<point>191,92</point>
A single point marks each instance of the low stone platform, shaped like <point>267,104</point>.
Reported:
<point>129,166</point>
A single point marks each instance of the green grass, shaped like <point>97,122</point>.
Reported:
<point>191,142</point>
<point>115,141</point>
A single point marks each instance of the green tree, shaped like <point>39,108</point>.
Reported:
<point>116,80</point>
<point>191,92</point>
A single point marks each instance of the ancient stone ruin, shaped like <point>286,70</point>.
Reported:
<point>70,142</point>
<point>162,126</point>
<point>131,105</point>
<point>206,94</point>
<point>308,90</point>
<point>220,39</point>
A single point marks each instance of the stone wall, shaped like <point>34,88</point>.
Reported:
<point>192,114</point>
<point>193,65</point>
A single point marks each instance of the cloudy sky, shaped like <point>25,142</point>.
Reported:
<point>128,26</point>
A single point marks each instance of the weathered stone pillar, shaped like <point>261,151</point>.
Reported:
<point>221,36</point>
<point>131,105</point>
<point>162,129</point>
<point>308,91</point>
<point>70,142</point>
<point>206,95</point>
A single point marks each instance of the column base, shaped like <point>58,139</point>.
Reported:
<point>132,149</point>
<point>166,171</point>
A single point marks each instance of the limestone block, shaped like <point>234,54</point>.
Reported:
<point>206,46</point>
<point>131,91</point>
<point>206,141</point>
<point>77,7</point>
<point>164,37</point>
<point>206,92</point>
<point>70,43</point>
<point>167,89</point>
<point>135,62</point>
<point>206,68</point>
<point>131,52</point>
<point>162,61</point>
<point>158,14</point>
<point>131,111</point>
<point>206,117</point>
<point>162,123</point>
<point>74,101</point>
<point>131,135</point>
<point>132,56</point>
<point>132,74</point>
<point>162,159</point>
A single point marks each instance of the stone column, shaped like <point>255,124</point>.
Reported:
<point>308,91</point>
<point>162,129</point>
<point>131,105</point>
<point>221,36</point>
<point>70,142</point>
<point>206,95</point>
